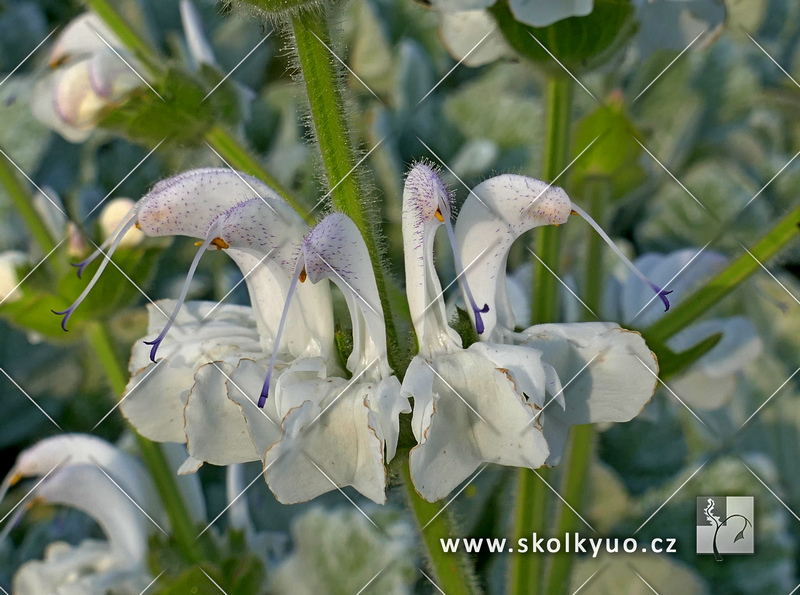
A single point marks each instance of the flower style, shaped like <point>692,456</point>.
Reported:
<point>711,380</point>
<point>608,373</point>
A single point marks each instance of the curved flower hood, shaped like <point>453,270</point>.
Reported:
<point>495,214</point>
<point>95,567</point>
<point>262,234</point>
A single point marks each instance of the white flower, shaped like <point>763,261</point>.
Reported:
<point>93,72</point>
<point>607,372</point>
<point>471,405</point>
<point>81,471</point>
<point>92,567</point>
<point>712,379</point>
<point>485,403</point>
<point>209,389</point>
<point>88,76</point>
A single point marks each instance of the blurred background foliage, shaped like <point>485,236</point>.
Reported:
<point>723,119</point>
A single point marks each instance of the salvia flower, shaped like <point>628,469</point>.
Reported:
<point>472,405</point>
<point>486,403</point>
<point>607,372</point>
<point>91,475</point>
<point>221,363</point>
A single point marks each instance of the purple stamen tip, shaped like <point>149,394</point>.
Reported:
<point>265,390</point>
<point>479,327</point>
<point>662,294</point>
<point>81,266</point>
<point>66,314</point>
<point>155,343</point>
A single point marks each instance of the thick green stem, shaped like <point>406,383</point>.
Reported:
<point>530,511</point>
<point>327,107</point>
<point>525,570</point>
<point>21,199</point>
<point>183,530</point>
<point>698,303</point>
<point>575,463</point>
<point>544,305</point>
<point>451,570</point>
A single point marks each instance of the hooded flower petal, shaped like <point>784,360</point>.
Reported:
<point>67,450</point>
<point>335,431</point>
<point>262,234</point>
<point>92,567</point>
<point>494,215</point>
<point>83,36</point>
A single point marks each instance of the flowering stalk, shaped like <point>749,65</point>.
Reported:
<point>531,498</point>
<point>22,202</point>
<point>183,529</point>
<point>451,570</point>
<point>544,308</point>
<point>327,107</point>
<point>221,140</point>
<point>698,303</point>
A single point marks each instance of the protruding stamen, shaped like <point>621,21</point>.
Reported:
<point>479,327</point>
<point>576,210</point>
<point>210,236</point>
<point>117,239</point>
<point>81,266</point>
<point>299,275</point>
